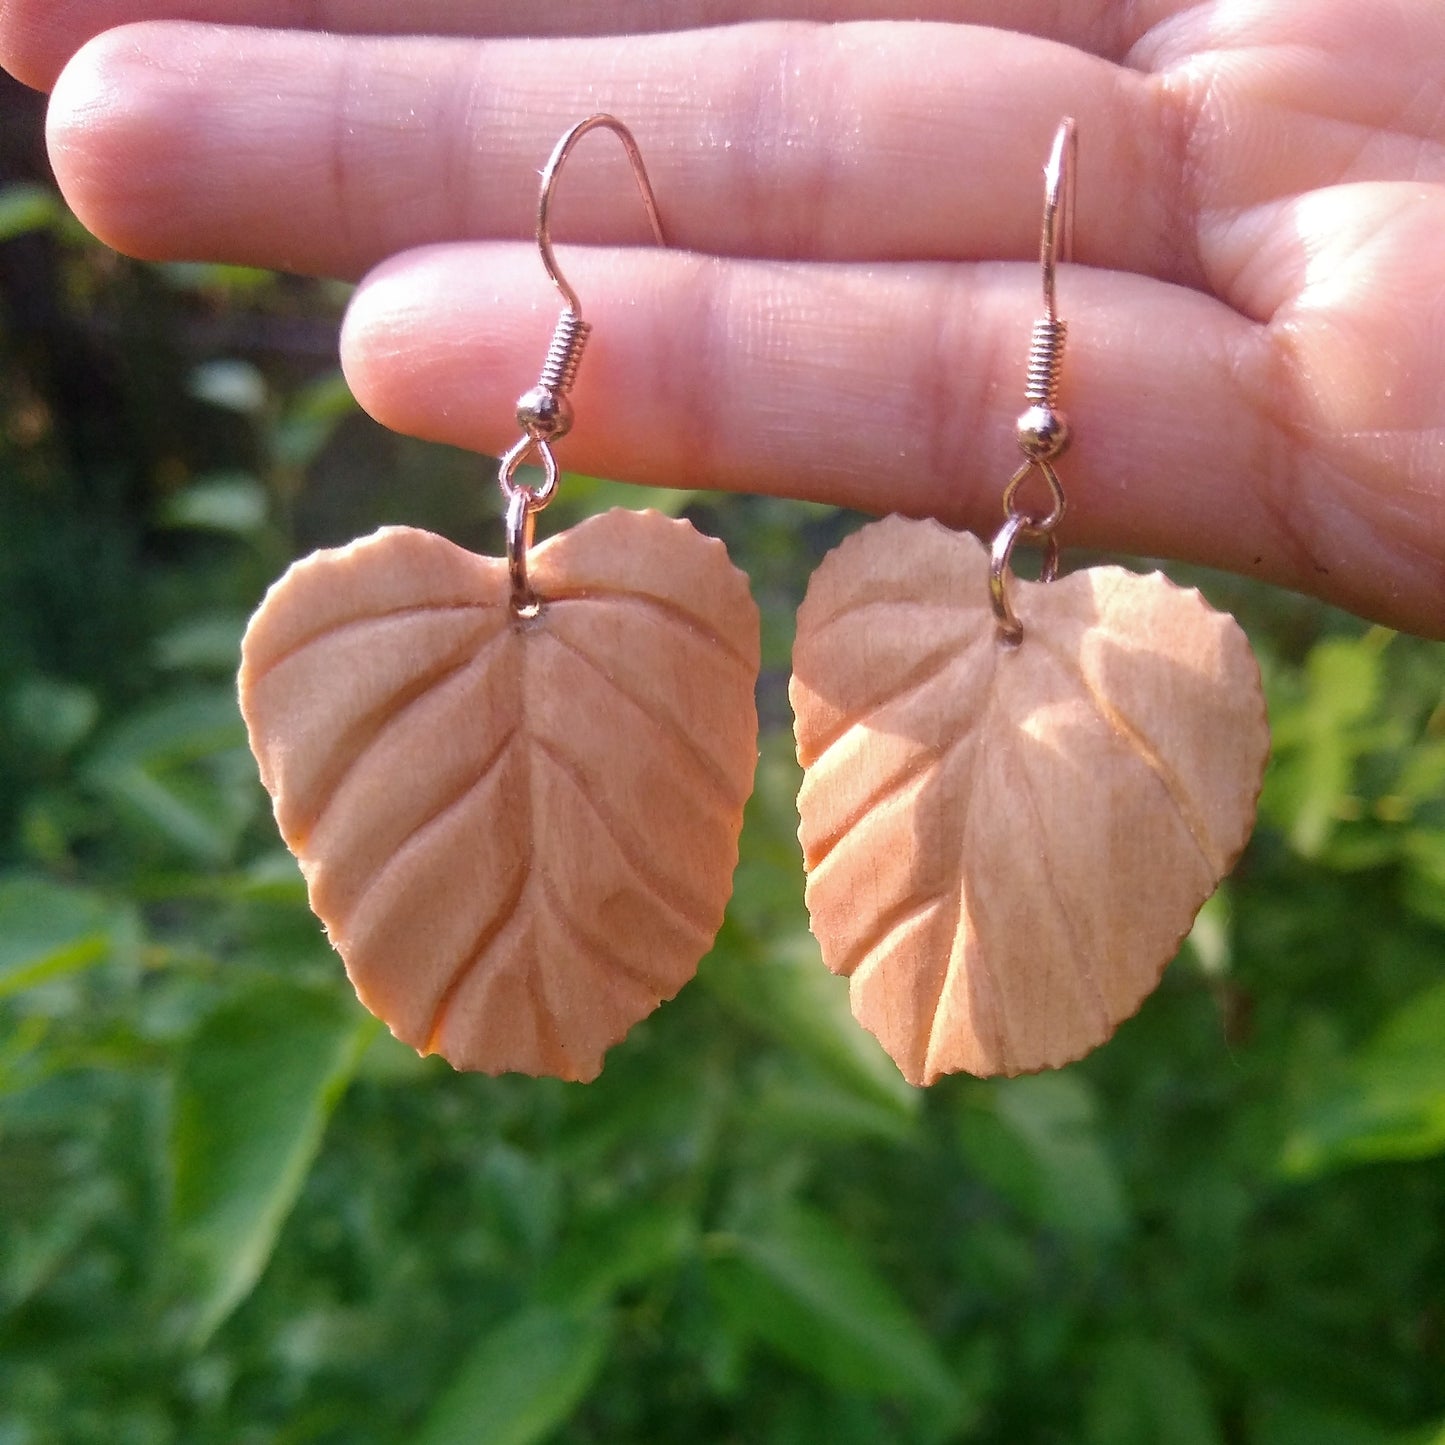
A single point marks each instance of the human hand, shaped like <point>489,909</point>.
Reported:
<point>1256,368</point>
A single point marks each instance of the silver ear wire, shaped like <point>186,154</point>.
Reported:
<point>544,412</point>
<point>1042,429</point>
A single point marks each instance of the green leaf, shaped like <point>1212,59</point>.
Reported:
<point>615,1253</point>
<point>34,1254</point>
<point>47,930</point>
<point>253,1095</point>
<point>766,969</point>
<point>311,418</point>
<point>1387,1102</point>
<point>1319,737</point>
<point>233,502</point>
<point>231,385</point>
<point>52,714</point>
<point>799,1284</point>
<point>1146,1392</point>
<point>521,1381</point>
<point>802,1101</point>
<point>1037,1141</point>
<point>1210,942</point>
<point>788,994</point>
<point>1422,774</point>
<point>1424,889</point>
<point>181,772</point>
<point>27,207</point>
<point>274,877</point>
<point>1288,1422</point>
<point>214,276</point>
<point>207,642</point>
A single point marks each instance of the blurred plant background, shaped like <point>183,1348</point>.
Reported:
<point>233,1209</point>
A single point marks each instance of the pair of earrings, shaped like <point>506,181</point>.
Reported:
<point>515,786</point>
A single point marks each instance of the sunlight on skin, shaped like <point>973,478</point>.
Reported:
<point>1257,364</point>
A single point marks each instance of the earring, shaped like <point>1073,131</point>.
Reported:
<point>514,787</point>
<point>1016,795</point>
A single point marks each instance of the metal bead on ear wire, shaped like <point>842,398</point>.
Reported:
<point>515,786</point>
<point>1016,795</point>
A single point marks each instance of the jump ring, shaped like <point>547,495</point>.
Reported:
<point>520,512</point>
<point>1010,628</point>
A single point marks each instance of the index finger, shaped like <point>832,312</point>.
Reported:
<point>37,37</point>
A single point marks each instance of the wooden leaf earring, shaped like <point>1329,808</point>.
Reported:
<point>1017,795</point>
<point>514,786</point>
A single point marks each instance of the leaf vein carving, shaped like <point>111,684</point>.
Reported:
<point>661,889</point>
<point>1087,971</point>
<point>598,949</point>
<point>917,770</point>
<point>934,666</point>
<point>414,838</point>
<point>928,1040</point>
<point>347,624</point>
<point>664,608</point>
<point>951,607</point>
<point>660,720</point>
<point>485,940</point>
<point>929,761</point>
<point>550,1043</point>
<point>871,949</point>
<point>389,713</point>
<point>965,935</point>
<point>1136,742</point>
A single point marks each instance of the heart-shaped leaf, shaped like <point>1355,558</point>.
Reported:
<point>1005,846</point>
<point>520,832</point>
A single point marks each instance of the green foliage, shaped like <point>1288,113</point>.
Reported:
<point>1146,1388</point>
<point>798,1283</point>
<point>522,1381</point>
<point>27,208</point>
<point>253,1092</point>
<point>47,930</point>
<point>1037,1141</point>
<point>234,1210</point>
<point>1387,1100</point>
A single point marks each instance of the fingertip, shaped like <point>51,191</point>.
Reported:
<point>31,44</point>
<point>371,317</point>
<point>102,140</point>
<point>420,349</point>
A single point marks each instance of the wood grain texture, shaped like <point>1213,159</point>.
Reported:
<point>1005,847</point>
<point>519,833</point>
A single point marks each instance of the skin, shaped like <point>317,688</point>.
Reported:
<point>1256,366</point>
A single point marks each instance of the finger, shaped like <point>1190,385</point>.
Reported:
<point>37,37</point>
<point>1277,100</point>
<point>895,388</point>
<point>1354,278</point>
<point>324,154</point>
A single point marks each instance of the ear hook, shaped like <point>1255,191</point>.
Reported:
<point>558,159</point>
<point>1042,430</point>
<point>544,413</point>
<point>1057,243</point>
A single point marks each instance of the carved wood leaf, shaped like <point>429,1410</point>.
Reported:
<point>519,833</point>
<point>1005,847</point>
